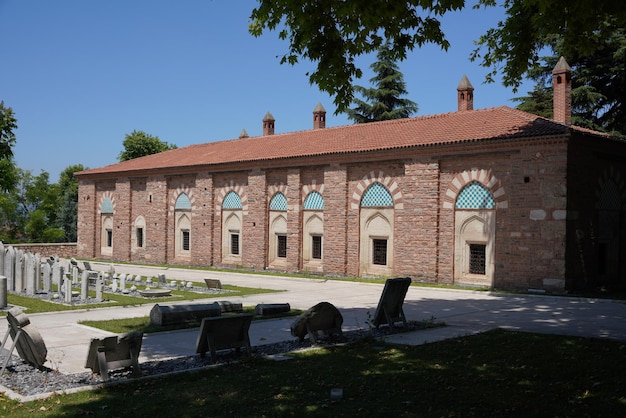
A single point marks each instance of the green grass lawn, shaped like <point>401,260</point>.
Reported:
<point>495,374</point>
<point>35,305</point>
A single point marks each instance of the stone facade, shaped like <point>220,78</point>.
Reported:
<point>523,212</point>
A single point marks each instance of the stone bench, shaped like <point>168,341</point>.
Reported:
<point>162,315</point>
<point>222,333</point>
<point>213,284</point>
<point>118,351</point>
<point>265,309</point>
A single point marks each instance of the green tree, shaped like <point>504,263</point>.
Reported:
<point>8,123</point>
<point>67,212</point>
<point>384,101</point>
<point>531,25</point>
<point>138,144</point>
<point>332,33</point>
<point>598,83</point>
<point>30,209</point>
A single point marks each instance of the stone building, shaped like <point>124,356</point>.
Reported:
<point>490,197</point>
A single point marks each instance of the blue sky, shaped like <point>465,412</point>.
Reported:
<point>81,74</point>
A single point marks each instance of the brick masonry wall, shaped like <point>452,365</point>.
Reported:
<point>62,250</point>
<point>529,187</point>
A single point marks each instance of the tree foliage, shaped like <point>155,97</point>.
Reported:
<point>598,82</point>
<point>8,123</point>
<point>67,211</point>
<point>515,44</point>
<point>138,144</point>
<point>37,211</point>
<point>384,99</point>
<point>332,33</point>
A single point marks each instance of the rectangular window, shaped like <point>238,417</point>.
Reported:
<point>234,243</point>
<point>109,238</point>
<point>185,240</point>
<point>281,241</point>
<point>139,236</point>
<point>380,252</point>
<point>316,247</point>
<point>477,258</point>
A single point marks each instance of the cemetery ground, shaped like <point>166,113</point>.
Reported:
<point>497,373</point>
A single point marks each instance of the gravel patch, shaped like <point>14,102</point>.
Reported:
<point>28,381</point>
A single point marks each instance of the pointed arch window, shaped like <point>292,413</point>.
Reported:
<point>183,237</point>
<point>278,202</point>
<point>232,221</point>
<point>313,233</point>
<point>475,196</point>
<point>376,195</point>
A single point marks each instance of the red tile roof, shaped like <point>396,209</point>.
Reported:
<point>491,124</point>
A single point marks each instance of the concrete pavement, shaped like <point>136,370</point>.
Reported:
<point>464,312</point>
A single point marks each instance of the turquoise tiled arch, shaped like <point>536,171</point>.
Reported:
<point>107,206</point>
<point>183,202</point>
<point>376,195</point>
<point>231,201</point>
<point>475,196</point>
<point>278,202</point>
<point>314,201</point>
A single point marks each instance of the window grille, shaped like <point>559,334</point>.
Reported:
<point>234,243</point>
<point>231,201</point>
<point>376,195</point>
<point>109,238</point>
<point>314,201</point>
<point>281,241</point>
<point>107,206</point>
<point>278,202</point>
<point>185,240</point>
<point>475,196</point>
<point>316,247</point>
<point>183,202</point>
<point>139,235</point>
<point>380,252</point>
<point>477,258</point>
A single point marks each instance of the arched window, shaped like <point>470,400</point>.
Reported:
<point>314,201</point>
<point>475,196</point>
<point>232,221</point>
<point>278,202</point>
<point>182,210</point>
<point>313,234</point>
<point>277,251</point>
<point>139,237</point>
<point>474,235</point>
<point>106,223</point>
<point>376,195</point>
<point>376,243</point>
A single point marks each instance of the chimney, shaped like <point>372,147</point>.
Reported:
<point>243,134</point>
<point>465,94</point>
<point>562,96</point>
<point>319,117</point>
<point>268,124</point>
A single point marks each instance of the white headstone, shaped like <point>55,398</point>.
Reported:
<point>19,271</point>
<point>29,273</point>
<point>47,277</point>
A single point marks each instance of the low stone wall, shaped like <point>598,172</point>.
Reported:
<point>62,249</point>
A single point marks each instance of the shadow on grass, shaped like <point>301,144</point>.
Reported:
<point>498,373</point>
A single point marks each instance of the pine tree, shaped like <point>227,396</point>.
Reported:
<point>384,100</point>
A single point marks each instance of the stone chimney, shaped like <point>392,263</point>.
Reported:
<point>319,117</point>
<point>268,124</point>
<point>465,94</point>
<point>243,134</point>
<point>562,96</point>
